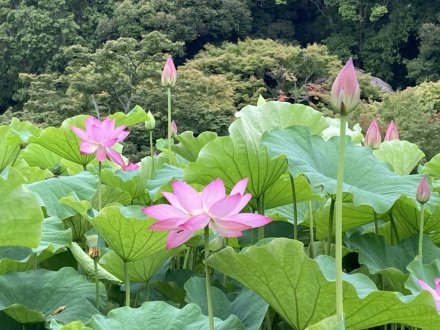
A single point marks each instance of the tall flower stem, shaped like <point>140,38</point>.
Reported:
<point>338,222</point>
<point>376,224</point>
<point>208,281</point>
<point>127,284</point>
<point>99,186</point>
<point>295,209</point>
<point>169,124</point>
<point>421,226</point>
<point>311,254</point>
<point>95,264</point>
<point>260,202</point>
<point>331,218</point>
<point>151,144</point>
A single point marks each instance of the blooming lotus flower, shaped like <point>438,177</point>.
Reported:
<point>169,73</point>
<point>99,138</point>
<point>345,94</point>
<point>392,132</point>
<point>423,191</point>
<point>373,138</point>
<point>435,293</point>
<point>130,167</point>
<point>191,211</point>
<point>173,128</point>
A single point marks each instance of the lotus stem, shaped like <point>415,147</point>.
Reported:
<point>151,147</point>
<point>127,284</point>
<point>331,218</point>
<point>311,254</point>
<point>169,124</point>
<point>95,263</point>
<point>421,226</point>
<point>99,186</point>
<point>186,258</point>
<point>376,224</point>
<point>338,225</point>
<point>260,202</point>
<point>208,281</point>
<point>295,208</point>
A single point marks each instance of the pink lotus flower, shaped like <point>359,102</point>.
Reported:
<point>392,132</point>
<point>100,137</point>
<point>130,167</point>
<point>169,73</point>
<point>173,128</point>
<point>423,192</point>
<point>373,138</point>
<point>191,211</point>
<point>345,89</point>
<point>435,293</point>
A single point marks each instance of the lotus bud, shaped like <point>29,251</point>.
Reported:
<point>373,137</point>
<point>169,73</point>
<point>92,243</point>
<point>173,128</point>
<point>392,132</point>
<point>150,123</point>
<point>423,191</point>
<point>345,94</point>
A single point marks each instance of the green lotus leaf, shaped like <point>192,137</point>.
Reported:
<point>34,296</point>
<point>190,146</point>
<point>111,195</point>
<point>10,146</point>
<point>50,191</point>
<point>36,155</point>
<point>329,323</point>
<point>403,156</point>
<point>24,129</point>
<point>240,155</point>
<point>249,307</point>
<point>135,116</point>
<point>31,173</point>
<point>75,325</point>
<point>20,212</point>
<point>128,181</point>
<point>161,180</point>
<point>425,270</point>
<point>63,142</point>
<point>125,230</point>
<point>160,315</point>
<point>369,181</point>
<point>88,265</point>
<point>432,167</point>
<point>302,290</point>
<point>140,270</point>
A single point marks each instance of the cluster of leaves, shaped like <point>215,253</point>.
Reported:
<point>49,202</point>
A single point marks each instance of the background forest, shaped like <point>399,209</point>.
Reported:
<point>61,58</point>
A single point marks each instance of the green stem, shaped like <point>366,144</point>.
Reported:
<point>394,229</point>
<point>208,281</point>
<point>295,209</point>
<point>260,202</point>
<point>421,225</point>
<point>268,321</point>
<point>185,260</point>
<point>35,259</point>
<point>338,224</point>
<point>169,124</point>
<point>99,186</point>
<point>376,224</point>
<point>311,254</point>
<point>15,157</point>
<point>151,146</point>
<point>331,218</point>
<point>127,284</point>
<point>95,263</point>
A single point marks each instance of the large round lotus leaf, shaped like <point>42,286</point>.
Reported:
<point>128,181</point>
<point>50,191</point>
<point>160,315</point>
<point>38,296</point>
<point>330,323</point>
<point>9,147</point>
<point>302,290</point>
<point>140,270</point>
<point>190,146</point>
<point>20,212</point>
<point>370,181</point>
<point>135,116</point>
<point>403,156</point>
<point>125,230</point>
<point>432,167</point>
<point>161,179</point>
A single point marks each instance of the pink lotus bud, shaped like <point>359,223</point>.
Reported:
<point>169,73</point>
<point>345,94</point>
<point>392,132</point>
<point>173,128</point>
<point>423,191</point>
<point>373,137</point>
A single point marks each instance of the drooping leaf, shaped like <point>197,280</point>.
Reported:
<point>190,146</point>
<point>20,212</point>
<point>34,296</point>
<point>50,191</point>
<point>302,290</point>
<point>160,315</point>
<point>125,229</point>
<point>369,181</point>
<point>403,156</point>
